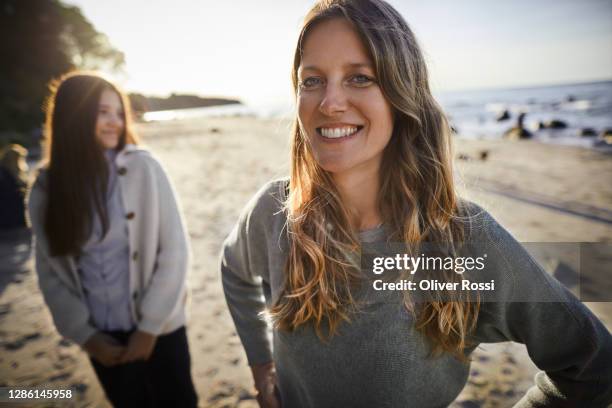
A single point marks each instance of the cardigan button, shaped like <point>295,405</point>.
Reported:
<point>135,256</point>
<point>135,295</point>
<point>130,215</point>
<point>121,171</point>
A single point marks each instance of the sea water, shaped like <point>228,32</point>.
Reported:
<point>587,105</point>
<point>473,113</point>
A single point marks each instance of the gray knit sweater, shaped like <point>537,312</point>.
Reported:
<point>379,359</point>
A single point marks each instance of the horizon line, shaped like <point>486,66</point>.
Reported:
<point>241,99</point>
<point>528,86</point>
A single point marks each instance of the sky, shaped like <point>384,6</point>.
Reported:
<point>244,49</point>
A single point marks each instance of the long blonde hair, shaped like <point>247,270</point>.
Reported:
<point>417,199</point>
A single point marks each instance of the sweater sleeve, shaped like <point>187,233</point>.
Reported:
<point>168,286</point>
<point>244,274</point>
<point>563,337</point>
<point>69,311</point>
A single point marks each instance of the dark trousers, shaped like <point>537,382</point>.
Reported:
<point>162,381</point>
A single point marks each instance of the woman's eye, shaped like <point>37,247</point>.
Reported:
<point>107,113</point>
<point>311,83</point>
<point>361,80</point>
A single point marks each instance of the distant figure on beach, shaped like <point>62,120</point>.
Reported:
<point>112,253</point>
<point>371,165</point>
<point>13,186</point>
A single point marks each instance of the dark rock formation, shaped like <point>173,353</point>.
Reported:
<point>505,115</point>
<point>552,124</point>
<point>518,132</point>
<point>588,132</point>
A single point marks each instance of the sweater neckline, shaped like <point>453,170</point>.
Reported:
<point>375,234</point>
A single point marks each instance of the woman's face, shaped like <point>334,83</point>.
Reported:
<point>342,110</point>
<point>109,124</point>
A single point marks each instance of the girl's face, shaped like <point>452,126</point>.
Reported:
<point>341,109</point>
<point>110,123</point>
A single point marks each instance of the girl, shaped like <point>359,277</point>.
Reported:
<point>370,164</point>
<point>111,249</point>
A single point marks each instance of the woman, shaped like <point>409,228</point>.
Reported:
<point>371,163</point>
<point>111,248</point>
<point>13,186</point>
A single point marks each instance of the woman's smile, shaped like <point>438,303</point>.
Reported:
<point>338,133</point>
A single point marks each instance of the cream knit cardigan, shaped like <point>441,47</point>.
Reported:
<point>159,253</point>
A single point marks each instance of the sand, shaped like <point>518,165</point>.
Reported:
<point>540,193</point>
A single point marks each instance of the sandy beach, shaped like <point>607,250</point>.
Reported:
<point>540,193</point>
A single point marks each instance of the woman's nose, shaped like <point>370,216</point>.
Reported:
<point>117,120</point>
<point>334,100</point>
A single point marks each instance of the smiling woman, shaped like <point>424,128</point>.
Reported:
<point>111,249</point>
<point>371,164</point>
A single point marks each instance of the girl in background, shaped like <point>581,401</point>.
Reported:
<point>112,252</point>
<point>371,163</point>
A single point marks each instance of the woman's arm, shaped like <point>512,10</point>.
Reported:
<point>166,290</point>
<point>242,283</point>
<point>244,265</point>
<point>69,311</point>
<point>563,337</point>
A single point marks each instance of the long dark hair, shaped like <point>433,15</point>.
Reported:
<point>77,173</point>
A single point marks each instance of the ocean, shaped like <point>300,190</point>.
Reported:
<point>474,113</point>
<point>578,106</point>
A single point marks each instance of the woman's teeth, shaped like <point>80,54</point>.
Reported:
<point>334,133</point>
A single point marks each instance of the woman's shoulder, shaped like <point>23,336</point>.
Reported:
<point>269,200</point>
<point>36,196</point>
<point>132,153</point>
<point>470,210</point>
<point>478,223</point>
<point>138,158</point>
<point>263,218</point>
